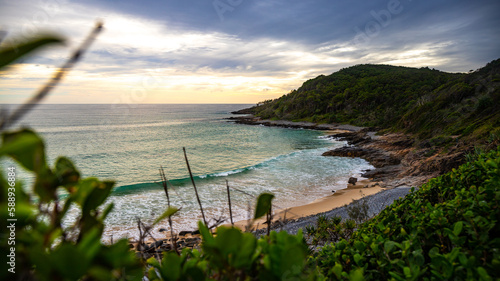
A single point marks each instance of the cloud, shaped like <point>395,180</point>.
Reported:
<point>257,50</point>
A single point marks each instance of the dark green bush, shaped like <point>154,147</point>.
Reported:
<point>330,230</point>
<point>446,230</point>
<point>234,255</point>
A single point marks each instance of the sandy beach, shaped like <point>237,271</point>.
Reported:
<point>330,206</point>
<point>340,198</point>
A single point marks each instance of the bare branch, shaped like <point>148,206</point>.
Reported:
<point>52,83</point>
<point>194,185</point>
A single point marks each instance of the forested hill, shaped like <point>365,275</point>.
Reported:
<point>422,101</point>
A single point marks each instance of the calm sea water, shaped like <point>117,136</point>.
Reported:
<point>129,143</point>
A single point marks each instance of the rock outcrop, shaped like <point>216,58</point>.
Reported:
<point>397,161</point>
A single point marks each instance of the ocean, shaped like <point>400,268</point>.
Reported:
<point>129,143</point>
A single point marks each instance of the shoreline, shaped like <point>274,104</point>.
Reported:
<point>367,186</point>
<point>397,161</point>
<point>399,166</point>
<point>249,119</point>
<point>343,197</point>
<point>340,198</point>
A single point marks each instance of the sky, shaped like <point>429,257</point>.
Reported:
<point>235,51</point>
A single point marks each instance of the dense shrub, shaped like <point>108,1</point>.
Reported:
<point>446,230</point>
<point>234,255</point>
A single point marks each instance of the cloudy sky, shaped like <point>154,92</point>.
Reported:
<point>236,51</point>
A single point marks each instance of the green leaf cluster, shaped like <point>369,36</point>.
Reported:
<point>446,230</point>
<point>44,248</point>
<point>330,230</point>
<point>11,53</point>
<point>234,255</point>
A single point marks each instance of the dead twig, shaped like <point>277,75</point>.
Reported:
<point>165,187</point>
<point>269,219</point>
<point>217,222</point>
<point>229,201</point>
<point>52,83</point>
<point>194,185</point>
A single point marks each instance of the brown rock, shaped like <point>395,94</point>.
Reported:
<point>352,180</point>
<point>376,157</point>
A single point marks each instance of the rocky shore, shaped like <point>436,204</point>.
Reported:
<point>398,160</point>
<point>400,163</point>
<point>251,120</point>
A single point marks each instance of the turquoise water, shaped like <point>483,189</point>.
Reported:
<point>129,143</point>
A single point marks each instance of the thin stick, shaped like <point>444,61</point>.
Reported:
<point>52,83</point>
<point>269,219</point>
<point>284,220</point>
<point>194,185</point>
<point>147,231</point>
<point>139,247</point>
<point>165,187</point>
<point>164,183</point>
<point>248,227</point>
<point>229,200</point>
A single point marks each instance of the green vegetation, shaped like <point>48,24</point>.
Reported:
<point>40,247</point>
<point>424,102</point>
<point>233,255</point>
<point>330,230</point>
<point>446,230</point>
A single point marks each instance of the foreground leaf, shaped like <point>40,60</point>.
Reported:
<point>12,53</point>
<point>263,204</point>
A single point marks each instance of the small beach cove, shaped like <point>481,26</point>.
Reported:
<point>379,188</point>
<point>398,168</point>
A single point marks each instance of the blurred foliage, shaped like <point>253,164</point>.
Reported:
<point>37,246</point>
<point>44,248</point>
<point>423,101</point>
<point>448,229</point>
<point>234,255</point>
<point>263,205</point>
<point>12,52</point>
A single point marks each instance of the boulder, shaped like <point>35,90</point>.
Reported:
<point>352,180</point>
<point>380,173</point>
<point>376,157</point>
